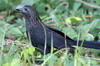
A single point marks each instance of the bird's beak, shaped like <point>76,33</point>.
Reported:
<point>19,7</point>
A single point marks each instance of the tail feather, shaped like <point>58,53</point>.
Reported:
<point>89,44</point>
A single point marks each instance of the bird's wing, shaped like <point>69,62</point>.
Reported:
<point>59,32</point>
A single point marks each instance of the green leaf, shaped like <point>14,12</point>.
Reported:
<point>74,20</point>
<point>21,21</point>
<point>15,31</point>
<point>71,19</point>
<point>30,50</point>
<point>27,2</point>
<point>6,64</point>
<point>52,60</point>
<point>76,6</point>
<point>98,2</point>
<point>2,23</point>
<point>89,37</point>
<point>9,18</point>
<point>96,23</point>
<point>95,27</point>
<point>15,62</point>
<point>95,32</point>
<point>4,4</point>
<point>70,32</point>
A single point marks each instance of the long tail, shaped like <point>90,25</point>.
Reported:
<point>88,44</point>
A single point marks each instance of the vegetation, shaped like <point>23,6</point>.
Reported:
<point>78,19</point>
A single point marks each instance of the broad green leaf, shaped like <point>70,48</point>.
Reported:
<point>95,32</point>
<point>27,2</point>
<point>70,32</point>
<point>89,37</point>
<point>15,31</point>
<point>2,23</point>
<point>30,50</point>
<point>4,4</point>
<point>98,2</point>
<point>15,62</point>
<point>96,23</point>
<point>74,20</point>
<point>52,60</point>
<point>9,18</point>
<point>76,6</point>
<point>6,64</point>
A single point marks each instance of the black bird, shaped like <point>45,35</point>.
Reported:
<point>43,36</point>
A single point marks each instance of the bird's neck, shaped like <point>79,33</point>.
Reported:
<point>33,22</point>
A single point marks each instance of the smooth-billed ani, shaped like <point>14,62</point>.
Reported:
<point>43,36</point>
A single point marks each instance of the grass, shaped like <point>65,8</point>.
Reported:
<point>15,53</point>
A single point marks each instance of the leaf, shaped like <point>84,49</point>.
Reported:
<point>9,18</point>
<point>20,21</point>
<point>15,62</point>
<point>52,60</point>
<point>28,51</point>
<point>41,8</point>
<point>6,64</point>
<point>15,31</point>
<point>95,32</point>
<point>74,20</point>
<point>76,6</point>
<point>2,23</point>
<point>96,23</point>
<point>27,2</point>
<point>70,32</point>
<point>89,37</point>
<point>98,2</point>
<point>95,27</point>
<point>4,4</point>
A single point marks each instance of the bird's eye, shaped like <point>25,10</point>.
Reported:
<point>26,9</point>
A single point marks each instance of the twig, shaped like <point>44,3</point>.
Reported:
<point>59,6</point>
<point>88,4</point>
<point>47,18</point>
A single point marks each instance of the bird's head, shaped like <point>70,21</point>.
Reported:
<point>27,10</point>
